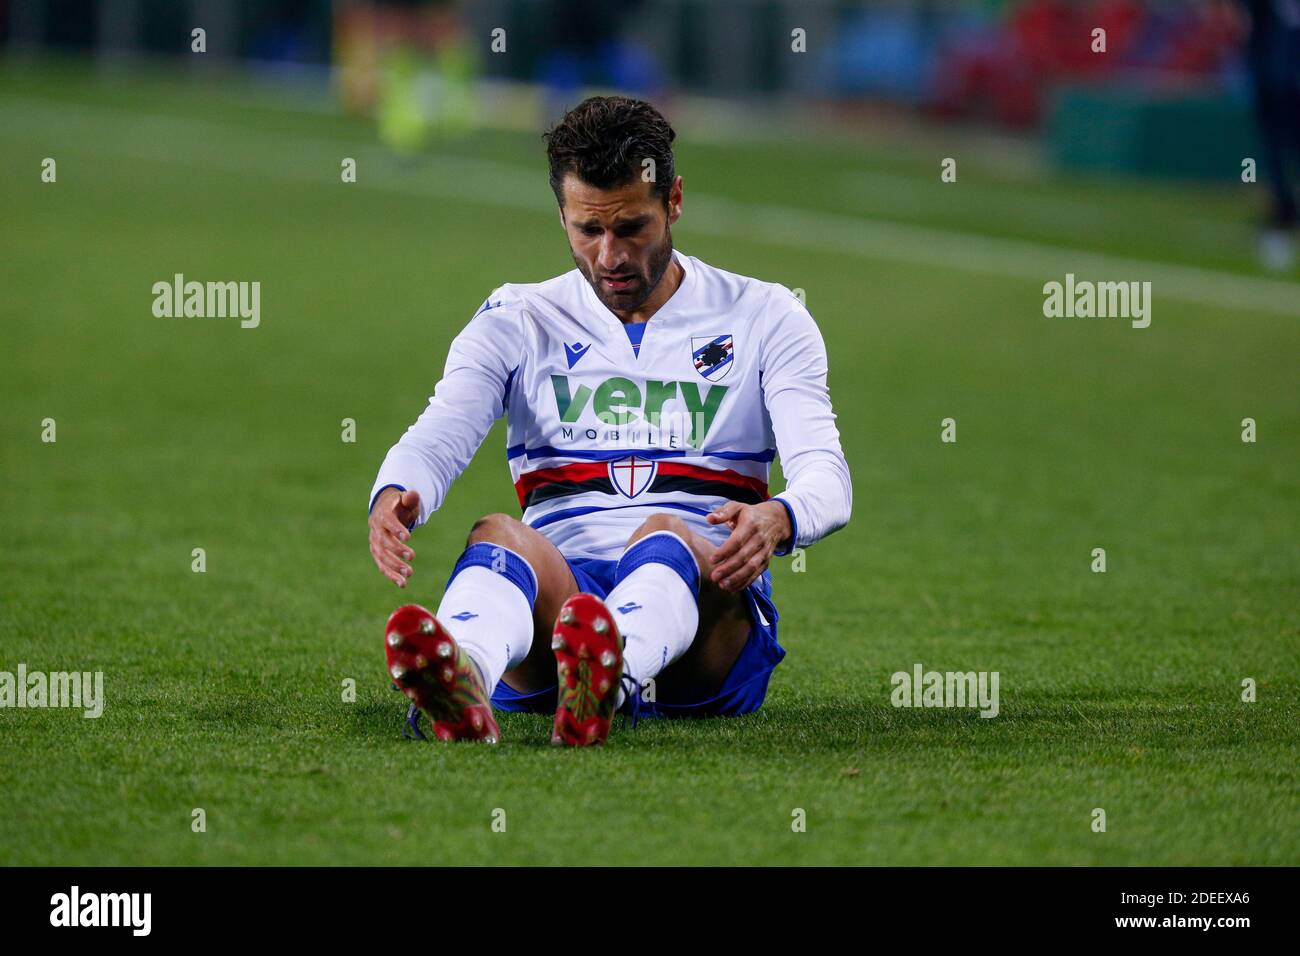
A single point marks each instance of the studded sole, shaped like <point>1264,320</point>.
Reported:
<point>425,661</point>
<point>589,663</point>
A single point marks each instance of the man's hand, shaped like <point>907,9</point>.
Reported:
<point>393,511</point>
<point>756,530</point>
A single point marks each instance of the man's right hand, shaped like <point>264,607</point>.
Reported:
<point>394,509</point>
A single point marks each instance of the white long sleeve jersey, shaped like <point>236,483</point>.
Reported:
<point>730,373</point>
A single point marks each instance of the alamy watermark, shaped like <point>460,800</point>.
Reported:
<point>1083,299</point>
<point>75,908</point>
<point>922,688</point>
<point>208,300</point>
<point>36,689</point>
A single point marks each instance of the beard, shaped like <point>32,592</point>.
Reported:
<point>644,282</point>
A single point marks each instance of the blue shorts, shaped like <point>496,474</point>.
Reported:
<point>741,693</point>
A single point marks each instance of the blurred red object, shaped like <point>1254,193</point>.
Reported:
<point>1005,73</point>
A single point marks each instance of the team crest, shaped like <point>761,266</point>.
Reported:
<point>632,475</point>
<point>712,355</point>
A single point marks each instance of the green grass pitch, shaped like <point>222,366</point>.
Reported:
<point>224,692</point>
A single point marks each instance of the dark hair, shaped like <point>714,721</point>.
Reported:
<point>605,139</point>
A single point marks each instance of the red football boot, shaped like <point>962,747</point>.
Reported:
<point>589,661</point>
<point>425,661</point>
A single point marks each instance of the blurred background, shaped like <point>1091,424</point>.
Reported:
<point>1157,88</point>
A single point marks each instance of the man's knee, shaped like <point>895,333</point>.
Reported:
<point>662,522</point>
<point>699,545</point>
<point>495,529</point>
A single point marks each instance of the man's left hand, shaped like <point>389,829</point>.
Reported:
<point>756,531</point>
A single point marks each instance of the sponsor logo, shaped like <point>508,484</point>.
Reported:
<point>619,402</point>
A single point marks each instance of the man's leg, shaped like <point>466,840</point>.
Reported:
<point>722,622</point>
<point>684,634</point>
<point>676,628</point>
<point>508,584</point>
<point>481,606</point>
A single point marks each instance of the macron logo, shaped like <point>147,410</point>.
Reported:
<point>131,910</point>
<point>575,351</point>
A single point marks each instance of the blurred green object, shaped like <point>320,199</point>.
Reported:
<point>423,97</point>
<point>458,69</point>
<point>401,113</point>
<point>1104,129</point>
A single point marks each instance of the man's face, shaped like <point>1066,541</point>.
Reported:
<point>620,238</point>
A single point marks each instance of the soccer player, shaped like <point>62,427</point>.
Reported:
<point>646,395</point>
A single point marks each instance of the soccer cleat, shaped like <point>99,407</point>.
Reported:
<point>428,665</point>
<point>589,664</point>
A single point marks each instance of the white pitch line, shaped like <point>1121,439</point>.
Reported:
<point>171,138</point>
<point>986,255</point>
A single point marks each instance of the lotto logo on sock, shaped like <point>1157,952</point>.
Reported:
<point>629,607</point>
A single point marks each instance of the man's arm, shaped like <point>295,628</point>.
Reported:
<point>418,471</point>
<point>818,490</point>
<point>818,495</point>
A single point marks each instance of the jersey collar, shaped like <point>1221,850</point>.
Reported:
<point>608,320</point>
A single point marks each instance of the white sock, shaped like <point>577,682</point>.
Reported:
<point>655,603</point>
<point>488,608</point>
